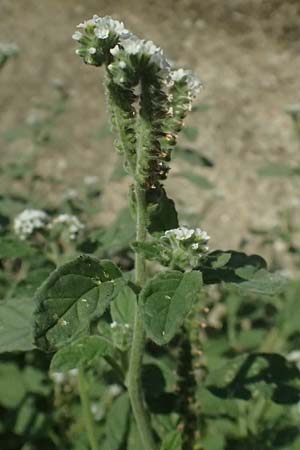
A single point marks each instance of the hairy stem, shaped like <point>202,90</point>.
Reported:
<point>138,343</point>
<point>86,410</point>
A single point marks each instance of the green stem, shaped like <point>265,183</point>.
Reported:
<point>86,410</point>
<point>138,342</point>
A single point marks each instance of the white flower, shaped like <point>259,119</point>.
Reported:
<point>101,33</point>
<point>192,82</point>
<point>104,25</point>
<point>181,233</point>
<point>92,50</point>
<point>201,234</point>
<point>133,45</point>
<point>77,35</point>
<point>122,65</point>
<point>114,325</point>
<point>89,22</point>
<point>115,390</point>
<point>28,221</point>
<point>195,246</point>
<point>58,377</point>
<point>72,223</point>
<point>115,51</point>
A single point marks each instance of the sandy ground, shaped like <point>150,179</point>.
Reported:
<point>245,52</point>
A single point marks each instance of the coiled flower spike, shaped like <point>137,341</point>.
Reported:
<point>147,98</point>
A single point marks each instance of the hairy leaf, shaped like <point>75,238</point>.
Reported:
<point>173,441</point>
<point>117,422</point>
<point>80,353</point>
<point>167,299</point>
<point>161,211</point>
<point>16,333</point>
<point>74,295</point>
<point>14,248</point>
<point>269,374</point>
<point>247,272</point>
<point>123,307</point>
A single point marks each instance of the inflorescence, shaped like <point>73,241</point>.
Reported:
<point>30,221</point>
<point>147,98</point>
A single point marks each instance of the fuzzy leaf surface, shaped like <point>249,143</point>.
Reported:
<point>167,299</point>
<point>117,422</point>
<point>16,332</point>
<point>173,441</point>
<point>72,297</point>
<point>80,353</point>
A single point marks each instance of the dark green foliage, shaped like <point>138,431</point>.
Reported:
<point>71,298</point>
<point>258,373</point>
<point>167,299</point>
<point>161,211</point>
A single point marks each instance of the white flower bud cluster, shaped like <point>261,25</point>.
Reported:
<point>116,325</point>
<point>103,26</point>
<point>64,377</point>
<point>29,221</point>
<point>185,246</point>
<point>192,82</point>
<point>106,28</point>
<point>70,221</point>
<point>197,237</point>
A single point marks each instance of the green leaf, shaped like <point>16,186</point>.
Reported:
<point>12,386</point>
<point>123,307</point>
<point>268,374</point>
<point>14,248</point>
<point>262,282</point>
<point>134,440</point>
<point>173,441</point>
<point>279,170</point>
<point>190,133</point>
<point>213,272</point>
<point>221,260</point>
<point>16,333</point>
<point>193,157</point>
<point>167,299</point>
<point>196,179</point>
<point>118,236</point>
<point>152,250</point>
<point>117,422</point>
<point>161,212</point>
<point>80,353</point>
<point>71,298</point>
<point>13,134</point>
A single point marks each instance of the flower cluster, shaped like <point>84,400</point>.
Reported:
<point>121,335</point>
<point>32,220</point>
<point>28,221</point>
<point>69,222</point>
<point>187,246</point>
<point>139,73</point>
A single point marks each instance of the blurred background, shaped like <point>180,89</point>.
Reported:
<point>243,138</point>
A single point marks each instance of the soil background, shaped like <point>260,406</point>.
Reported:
<point>247,54</point>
